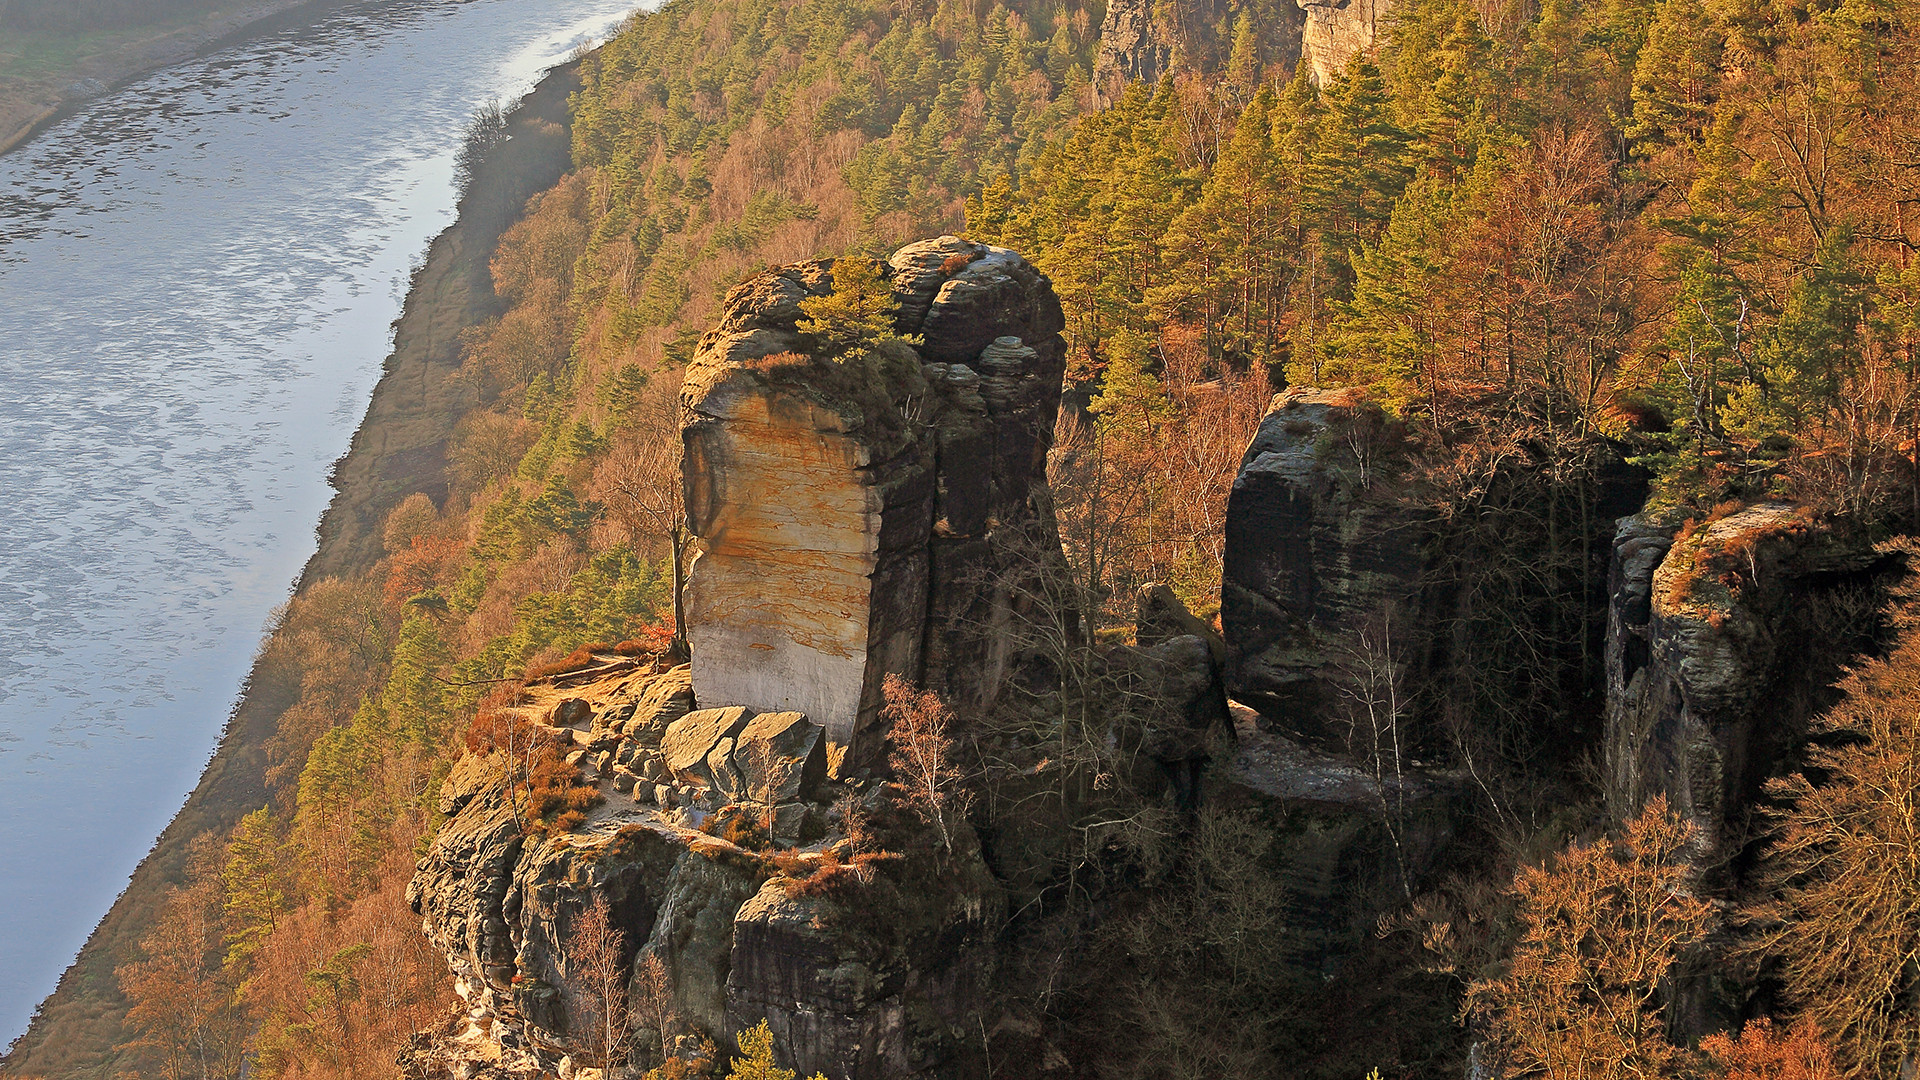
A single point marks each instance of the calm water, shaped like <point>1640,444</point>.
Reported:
<point>197,278</point>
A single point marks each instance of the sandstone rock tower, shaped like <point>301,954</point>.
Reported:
<point>851,519</point>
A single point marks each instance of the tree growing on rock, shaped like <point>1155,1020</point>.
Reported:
<point>640,485</point>
<point>1602,926</point>
<point>921,756</point>
<point>652,1005</point>
<point>756,1058</point>
<point>596,948</point>
<point>849,322</point>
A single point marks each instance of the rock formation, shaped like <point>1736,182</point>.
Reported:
<point>852,519</point>
<point>1144,42</point>
<point>1134,47</point>
<point>1315,555</point>
<point>849,519</point>
<point>741,938</point>
<point>1722,640</point>
<point>1338,30</point>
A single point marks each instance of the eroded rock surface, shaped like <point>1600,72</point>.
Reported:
<point>1338,30</point>
<point>1722,641</point>
<point>858,993</point>
<point>850,518</point>
<point>1318,564</point>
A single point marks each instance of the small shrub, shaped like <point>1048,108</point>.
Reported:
<point>573,661</point>
<point>1798,1053</point>
<point>557,798</point>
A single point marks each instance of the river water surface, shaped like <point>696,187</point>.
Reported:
<point>198,273</point>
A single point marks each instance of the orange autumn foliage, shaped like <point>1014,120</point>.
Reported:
<point>1762,1053</point>
<point>427,562</point>
<point>1603,924</point>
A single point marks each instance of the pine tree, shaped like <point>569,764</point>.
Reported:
<point>856,315</point>
<point>254,879</point>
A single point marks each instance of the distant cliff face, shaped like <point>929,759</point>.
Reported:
<point>850,519</point>
<point>1338,30</point>
<point>1143,42</point>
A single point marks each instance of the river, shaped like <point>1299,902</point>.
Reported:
<point>198,273</point>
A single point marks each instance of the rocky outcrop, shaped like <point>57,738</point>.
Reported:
<point>855,519</point>
<point>1134,48</point>
<point>1144,42</point>
<point>1338,30</point>
<point>873,981</point>
<point>1356,837</point>
<point>1723,639</point>
<point>852,990</point>
<point>1319,561</point>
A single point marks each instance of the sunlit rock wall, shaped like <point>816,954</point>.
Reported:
<point>859,519</point>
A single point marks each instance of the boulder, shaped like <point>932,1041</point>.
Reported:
<point>665,698</point>
<point>688,740</point>
<point>847,517</point>
<point>719,775</point>
<point>780,757</point>
<point>1160,616</point>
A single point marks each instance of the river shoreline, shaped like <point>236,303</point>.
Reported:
<point>397,450</point>
<point>26,110</point>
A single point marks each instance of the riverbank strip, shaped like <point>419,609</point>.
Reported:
<point>29,105</point>
<point>399,449</point>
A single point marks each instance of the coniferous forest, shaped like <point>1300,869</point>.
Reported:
<point>1572,260</point>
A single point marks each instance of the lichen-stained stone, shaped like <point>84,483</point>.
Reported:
<point>851,517</point>
<point>720,775</point>
<point>664,699</point>
<point>1723,638</point>
<point>1316,551</point>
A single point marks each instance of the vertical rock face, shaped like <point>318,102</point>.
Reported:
<point>1313,559</point>
<point>1337,31</point>
<point>848,516</point>
<point>1143,42</point>
<point>836,984</point>
<point>1133,48</point>
<point>1722,640</point>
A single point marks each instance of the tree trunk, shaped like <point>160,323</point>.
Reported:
<point>680,647</point>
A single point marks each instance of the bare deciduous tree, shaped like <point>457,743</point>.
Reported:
<point>652,1004</point>
<point>640,485</point>
<point>922,756</point>
<point>596,950</point>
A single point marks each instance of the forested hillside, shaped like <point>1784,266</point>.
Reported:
<point>1554,242</point>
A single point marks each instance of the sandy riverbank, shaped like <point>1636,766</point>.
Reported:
<point>397,450</point>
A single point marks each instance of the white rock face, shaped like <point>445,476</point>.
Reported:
<point>1338,30</point>
<point>777,602</point>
